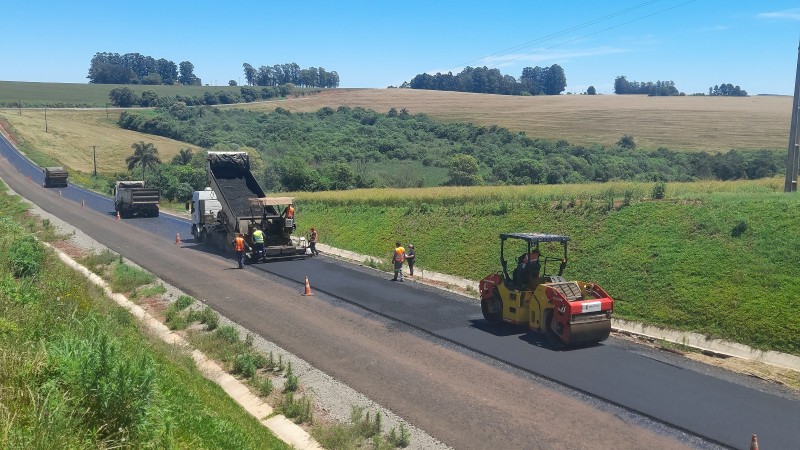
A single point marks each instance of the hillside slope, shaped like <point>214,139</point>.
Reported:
<point>714,124</point>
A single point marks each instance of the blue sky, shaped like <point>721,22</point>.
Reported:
<point>374,44</point>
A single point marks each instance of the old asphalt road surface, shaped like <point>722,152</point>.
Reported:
<point>411,357</point>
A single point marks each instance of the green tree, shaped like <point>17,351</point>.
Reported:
<point>591,91</point>
<point>249,74</point>
<point>149,98</point>
<point>555,81</point>
<point>123,97</point>
<point>464,171</point>
<point>186,75</point>
<point>183,157</point>
<point>145,154</point>
<point>627,141</point>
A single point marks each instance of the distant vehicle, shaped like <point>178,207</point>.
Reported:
<point>55,177</point>
<point>235,203</point>
<point>131,199</point>
<point>567,312</point>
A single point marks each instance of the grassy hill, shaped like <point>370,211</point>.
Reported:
<point>716,258</point>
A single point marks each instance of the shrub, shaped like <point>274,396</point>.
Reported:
<point>264,386</point>
<point>228,333</point>
<point>209,318</point>
<point>739,229</point>
<point>26,256</point>
<point>117,393</point>
<point>245,364</point>
<point>183,302</point>
<point>659,190</point>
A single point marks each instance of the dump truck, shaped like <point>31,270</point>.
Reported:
<point>55,177</point>
<point>132,198</point>
<point>535,294</point>
<point>235,203</point>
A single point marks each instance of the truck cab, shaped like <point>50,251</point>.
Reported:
<point>204,208</point>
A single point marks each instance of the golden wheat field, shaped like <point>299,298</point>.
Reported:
<point>714,124</point>
<point>71,134</point>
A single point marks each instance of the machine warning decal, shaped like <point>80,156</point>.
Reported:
<point>590,307</point>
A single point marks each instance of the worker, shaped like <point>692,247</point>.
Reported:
<point>288,212</point>
<point>312,242</point>
<point>239,246</point>
<point>410,259</point>
<point>532,267</point>
<point>288,218</point>
<point>258,243</point>
<point>398,258</point>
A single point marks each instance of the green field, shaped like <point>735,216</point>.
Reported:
<point>38,95</point>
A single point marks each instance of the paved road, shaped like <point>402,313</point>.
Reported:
<point>724,409</point>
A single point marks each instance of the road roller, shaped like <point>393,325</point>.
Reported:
<point>536,293</point>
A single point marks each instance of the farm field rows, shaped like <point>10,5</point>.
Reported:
<point>714,124</point>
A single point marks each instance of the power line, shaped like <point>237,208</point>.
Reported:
<point>585,35</point>
<point>559,33</point>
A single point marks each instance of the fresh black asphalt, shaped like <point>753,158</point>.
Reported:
<point>721,410</point>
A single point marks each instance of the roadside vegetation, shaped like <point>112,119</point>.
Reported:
<point>75,371</point>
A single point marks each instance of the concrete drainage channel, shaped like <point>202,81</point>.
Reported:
<point>334,397</point>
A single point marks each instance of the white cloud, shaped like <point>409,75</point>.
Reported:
<point>546,56</point>
<point>786,14</point>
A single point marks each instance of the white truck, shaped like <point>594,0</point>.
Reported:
<point>132,198</point>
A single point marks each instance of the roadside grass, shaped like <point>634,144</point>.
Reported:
<point>126,278</point>
<point>711,257</point>
<point>75,372</point>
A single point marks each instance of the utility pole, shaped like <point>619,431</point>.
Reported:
<point>45,119</point>
<point>793,157</point>
<point>19,105</point>
<point>94,158</point>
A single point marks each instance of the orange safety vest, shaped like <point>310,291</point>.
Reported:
<point>289,212</point>
<point>238,244</point>
<point>399,254</point>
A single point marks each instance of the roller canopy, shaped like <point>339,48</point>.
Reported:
<point>534,238</point>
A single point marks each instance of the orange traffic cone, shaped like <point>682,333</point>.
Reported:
<point>308,289</point>
<point>117,215</point>
<point>177,238</point>
<point>83,203</point>
<point>59,193</point>
<point>754,443</point>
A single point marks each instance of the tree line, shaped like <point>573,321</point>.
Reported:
<point>125,97</point>
<point>533,81</point>
<point>339,148</point>
<point>660,88</point>
<point>135,68</point>
<point>279,74</point>
<point>727,90</point>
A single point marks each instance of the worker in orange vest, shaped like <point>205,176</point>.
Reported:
<point>238,246</point>
<point>312,242</point>
<point>399,257</point>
